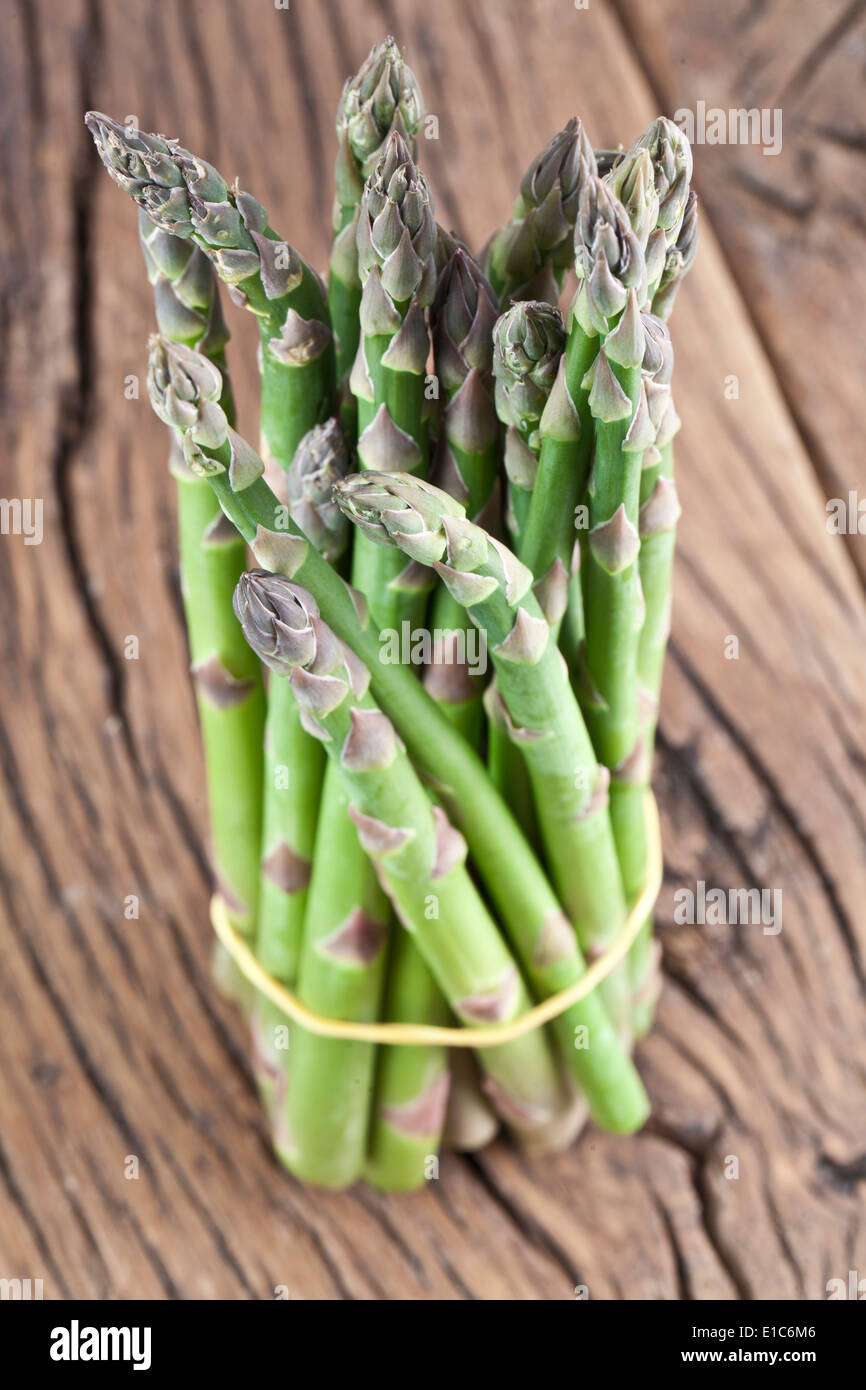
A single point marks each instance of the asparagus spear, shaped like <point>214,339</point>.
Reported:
<point>228,683</point>
<point>567,430</point>
<point>319,462</point>
<point>671,156</point>
<point>345,922</point>
<point>679,260</point>
<point>541,711</point>
<point>186,196</point>
<point>658,516</point>
<point>532,401</point>
<point>665,153</point>
<point>397,243</point>
<point>527,344</point>
<point>659,511</point>
<point>396,240</point>
<point>412,1083</point>
<point>608,261</point>
<point>545,943</point>
<point>470,1124</point>
<point>341,975</point>
<point>462,317</point>
<point>632,183</point>
<point>467,465</point>
<point>547,543</point>
<point>570,792</point>
<point>382,96</point>
<point>419,855</point>
<point>612,592</point>
<point>294,763</point>
<point>653,182</point>
<point>610,256</point>
<point>527,258</point>
<point>507,766</point>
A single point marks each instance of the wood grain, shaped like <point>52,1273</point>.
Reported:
<point>114,1042</point>
<point>791,225</point>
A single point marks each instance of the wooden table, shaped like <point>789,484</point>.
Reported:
<point>747,1181</point>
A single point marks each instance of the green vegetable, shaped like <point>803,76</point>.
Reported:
<point>679,261</point>
<point>527,345</point>
<point>184,195</point>
<point>234,470</point>
<point>420,856</point>
<point>341,976</point>
<point>470,1123</point>
<point>527,258</point>
<point>382,96</point>
<point>335,803</point>
<point>396,256</point>
<point>570,790</point>
<point>412,1083</point>
<point>228,683</point>
<point>467,465</point>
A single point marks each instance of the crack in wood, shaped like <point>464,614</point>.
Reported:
<point>526,1222</point>
<point>786,813</point>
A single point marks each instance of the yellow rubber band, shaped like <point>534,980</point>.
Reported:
<point>423,1035</point>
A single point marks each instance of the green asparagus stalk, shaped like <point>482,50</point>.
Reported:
<point>187,197</point>
<point>544,941</point>
<point>450,679</point>
<point>467,465</point>
<point>396,240</point>
<point>470,1123</point>
<point>527,258</point>
<point>567,432</point>
<point>652,180</point>
<point>293,769</point>
<point>229,696</point>
<point>547,545</point>
<point>292,786</point>
<point>527,341</point>
<point>542,714</point>
<point>412,1083</point>
<point>659,510</point>
<point>320,461</point>
<point>657,522</point>
<point>382,96</point>
<point>570,789</point>
<point>344,925</point>
<point>527,344</point>
<point>228,683</point>
<point>507,766</point>
<point>341,975</point>
<point>631,776</point>
<point>632,183</point>
<point>419,854</point>
<point>294,763</point>
<point>611,259</point>
<point>462,317</point>
<point>612,591</point>
<point>679,261</point>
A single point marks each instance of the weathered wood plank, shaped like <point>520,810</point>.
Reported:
<point>791,224</point>
<point>114,1042</point>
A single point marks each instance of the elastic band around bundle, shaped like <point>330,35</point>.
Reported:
<point>425,1035</point>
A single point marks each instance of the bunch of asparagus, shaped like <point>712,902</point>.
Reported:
<point>433,810</point>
